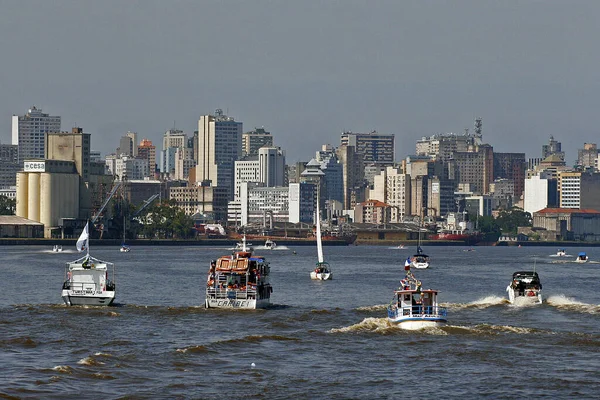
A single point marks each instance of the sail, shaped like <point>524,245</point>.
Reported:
<point>319,242</point>
<point>82,242</point>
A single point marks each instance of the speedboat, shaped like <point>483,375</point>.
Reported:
<point>415,308</point>
<point>57,248</point>
<point>243,245</point>
<point>87,280</point>
<point>582,257</point>
<point>525,287</point>
<point>270,245</point>
<point>560,253</point>
<point>239,281</point>
<point>124,249</point>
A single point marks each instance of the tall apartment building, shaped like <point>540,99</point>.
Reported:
<point>147,151</point>
<point>511,166</point>
<point>29,130</point>
<point>254,140</point>
<point>443,146</point>
<point>174,138</point>
<point>374,147</point>
<point>588,156</point>
<point>475,168</point>
<point>334,174</point>
<point>353,175</point>
<point>579,190</point>
<point>393,188</point>
<point>9,165</point>
<point>184,162</point>
<point>219,146</point>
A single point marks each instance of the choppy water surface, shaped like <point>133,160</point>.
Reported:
<point>319,340</point>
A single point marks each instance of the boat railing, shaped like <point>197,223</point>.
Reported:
<point>228,293</point>
<point>417,311</point>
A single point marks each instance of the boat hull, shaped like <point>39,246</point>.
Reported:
<point>241,304</point>
<point>321,276</point>
<point>419,265</point>
<point>416,323</point>
<point>73,298</point>
<point>515,298</point>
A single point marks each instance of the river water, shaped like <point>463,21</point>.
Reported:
<point>320,340</point>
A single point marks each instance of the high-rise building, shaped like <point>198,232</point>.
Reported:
<point>476,168</point>
<point>29,130</point>
<point>540,192</point>
<point>511,166</point>
<point>147,151</point>
<point>553,147</point>
<point>579,190</point>
<point>9,165</point>
<point>254,140</point>
<point>393,188</point>
<point>354,175</point>
<point>375,147</point>
<point>219,146</point>
<point>588,156</point>
<point>271,166</point>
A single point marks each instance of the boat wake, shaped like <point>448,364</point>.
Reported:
<point>279,247</point>
<point>563,302</point>
<point>484,302</point>
<point>378,307</point>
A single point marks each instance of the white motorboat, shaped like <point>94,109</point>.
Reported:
<point>582,257</point>
<point>415,308</point>
<point>87,278</point>
<point>243,245</point>
<point>239,281</point>
<point>560,253</point>
<point>270,245</point>
<point>525,287</point>
<point>124,248</point>
<point>57,248</point>
<point>322,271</point>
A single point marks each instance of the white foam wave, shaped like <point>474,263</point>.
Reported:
<point>63,368</point>
<point>561,301</point>
<point>89,361</point>
<point>367,324</point>
<point>484,302</point>
<point>377,307</point>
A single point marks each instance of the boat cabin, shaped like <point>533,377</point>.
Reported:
<point>526,280</point>
<point>416,303</point>
<point>582,256</point>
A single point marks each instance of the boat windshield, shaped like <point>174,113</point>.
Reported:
<point>527,276</point>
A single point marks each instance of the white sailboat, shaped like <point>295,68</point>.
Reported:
<point>322,270</point>
<point>420,260</point>
<point>124,247</point>
<point>86,279</point>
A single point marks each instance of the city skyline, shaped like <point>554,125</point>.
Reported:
<point>308,71</point>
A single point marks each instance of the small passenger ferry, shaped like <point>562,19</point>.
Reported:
<point>239,281</point>
<point>87,280</point>
<point>413,307</point>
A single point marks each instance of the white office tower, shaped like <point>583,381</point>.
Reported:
<point>540,192</point>
<point>271,161</point>
<point>219,146</point>
<point>29,132</point>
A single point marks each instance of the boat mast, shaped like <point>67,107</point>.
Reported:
<point>318,233</point>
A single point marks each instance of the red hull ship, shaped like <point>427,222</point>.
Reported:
<point>469,237</point>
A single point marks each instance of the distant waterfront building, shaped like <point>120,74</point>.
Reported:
<point>219,146</point>
<point>353,175</point>
<point>254,140</point>
<point>29,130</point>
<point>443,146</point>
<point>206,200</point>
<point>128,145</point>
<point>184,162</point>
<point>374,147</point>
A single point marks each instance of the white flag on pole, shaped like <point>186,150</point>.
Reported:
<point>82,242</point>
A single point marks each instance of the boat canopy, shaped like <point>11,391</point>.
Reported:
<point>582,254</point>
<point>526,275</point>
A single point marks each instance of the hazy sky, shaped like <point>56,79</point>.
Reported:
<point>308,70</point>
